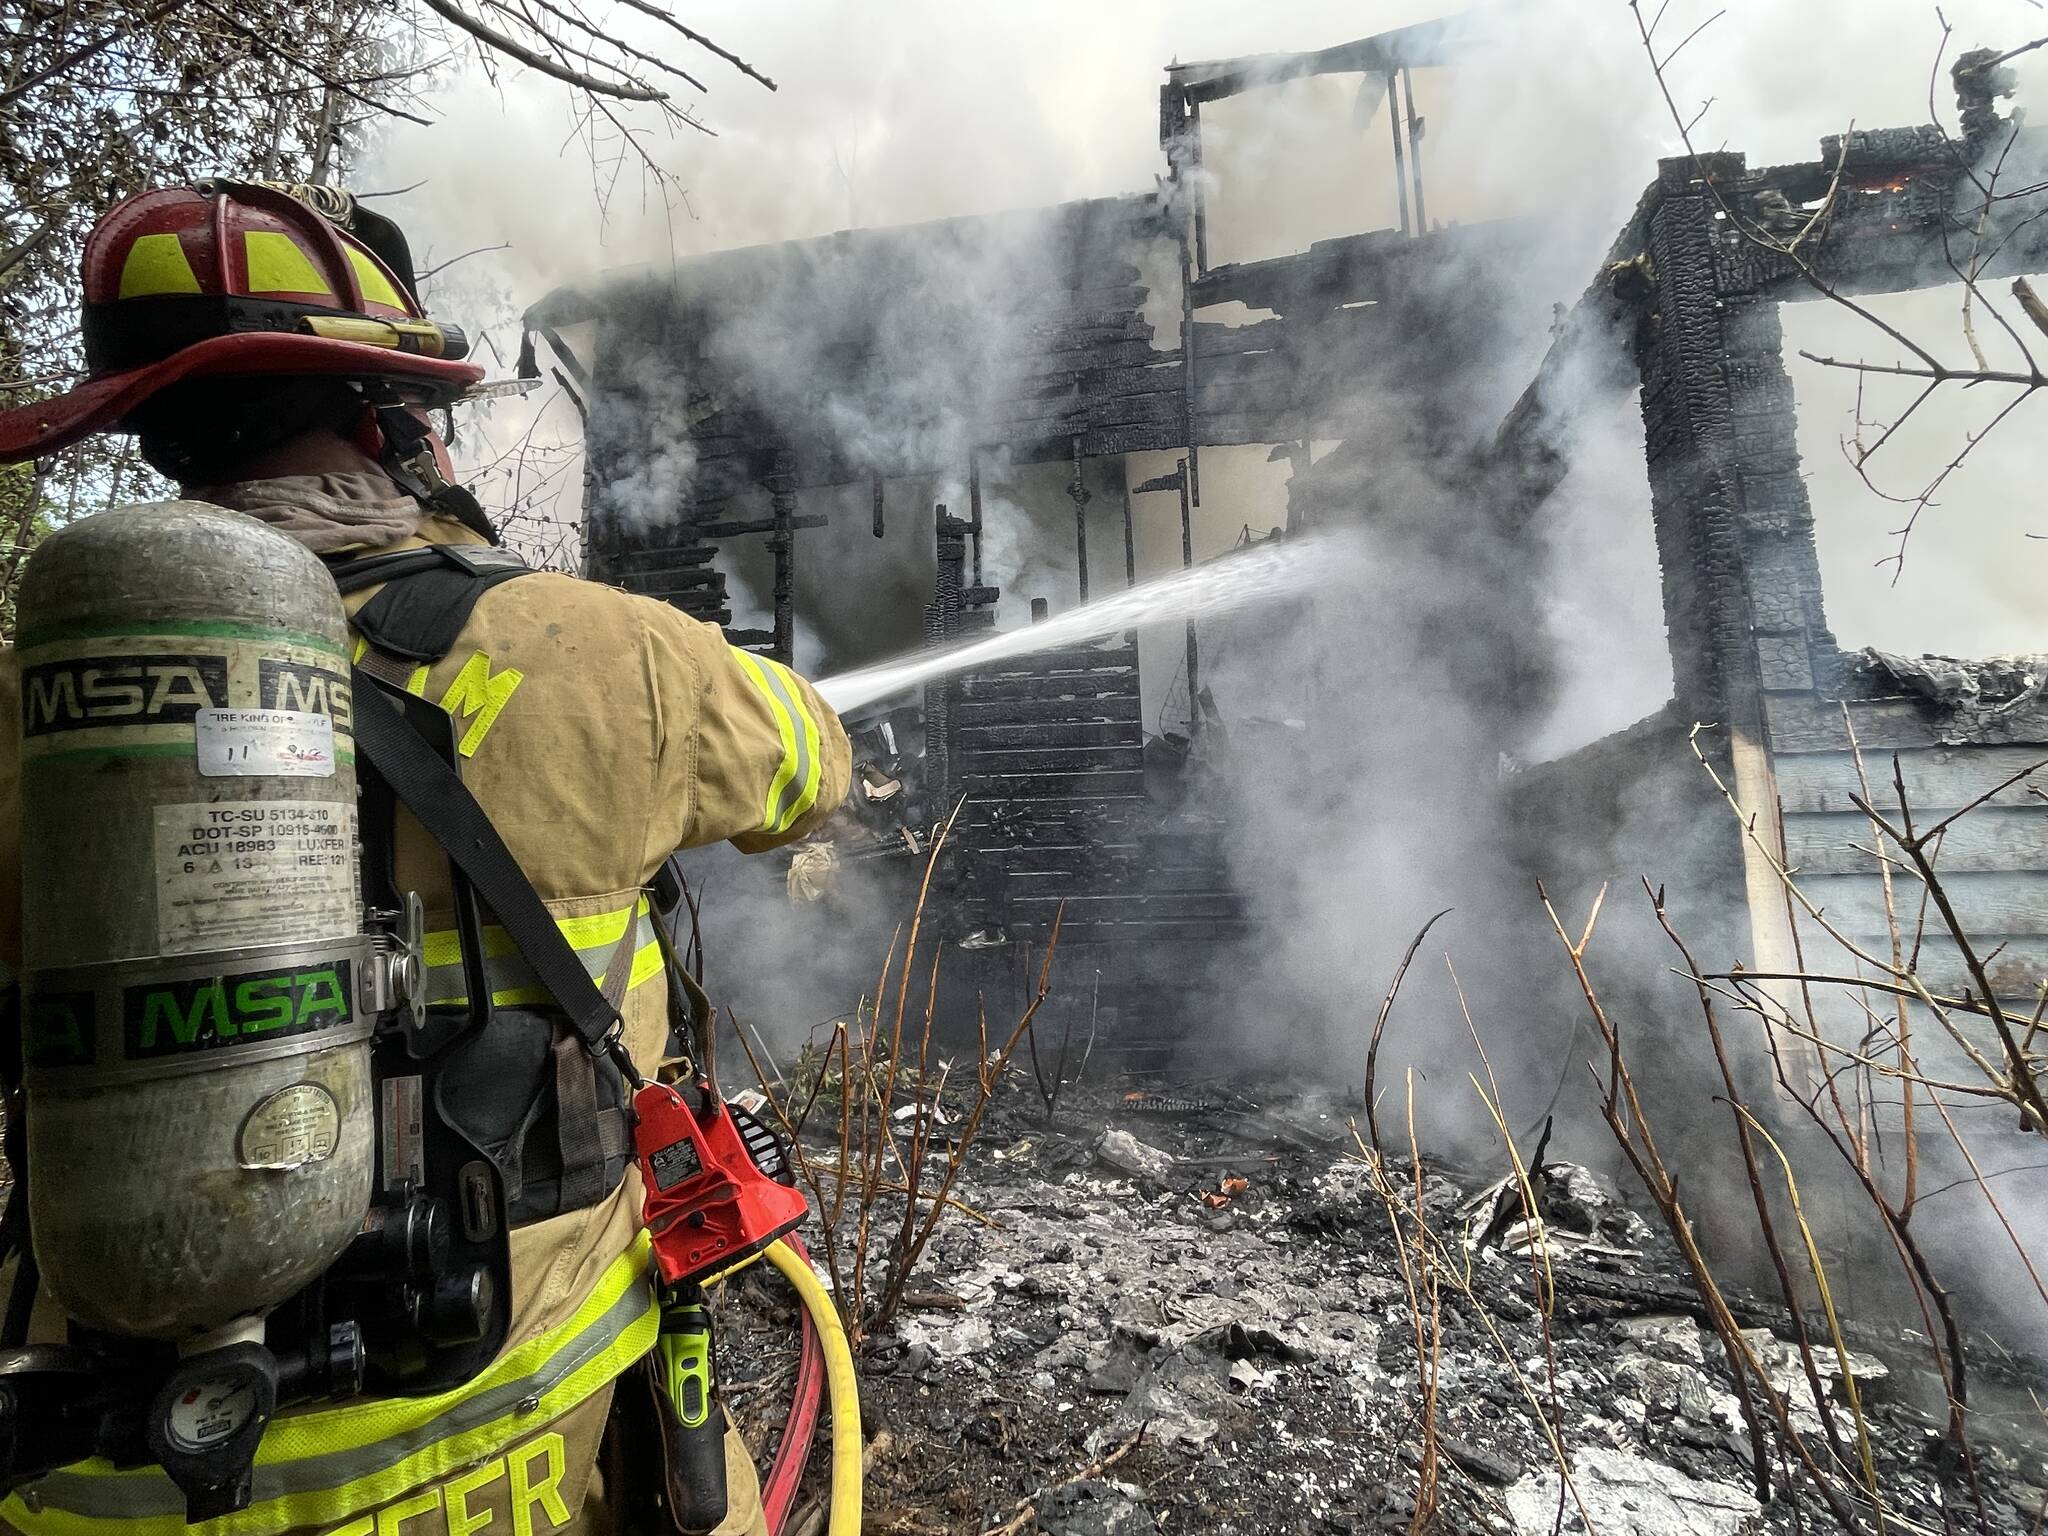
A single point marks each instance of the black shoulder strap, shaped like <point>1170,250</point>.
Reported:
<point>444,806</point>
<point>428,595</point>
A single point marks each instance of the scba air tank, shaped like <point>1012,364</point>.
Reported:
<point>196,1062</point>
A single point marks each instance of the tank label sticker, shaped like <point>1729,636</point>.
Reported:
<point>293,1127</point>
<point>253,872</point>
<point>207,1013</point>
<point>271,743</point>
<point>158,689</point>
<point>403,1131</point>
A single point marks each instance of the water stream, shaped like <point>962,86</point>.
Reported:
<point>1281,568</point>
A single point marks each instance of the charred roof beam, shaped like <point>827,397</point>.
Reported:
<point>1420,46</point>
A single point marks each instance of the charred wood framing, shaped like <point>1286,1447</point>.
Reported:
<point>1693,304</point>
<point>782,545</point>
<point>1123,483</point>
<point>1078,493</point>
<point>1420,46</point>
<point>943,621</point>
<point>1400,153</point>
<point>1415,148</point>
<point>974,508</point>
<point>1035,343</point>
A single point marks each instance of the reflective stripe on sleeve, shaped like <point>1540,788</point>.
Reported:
<point>513,983</point>
<point>317,1469</point>
<point>794,789</point>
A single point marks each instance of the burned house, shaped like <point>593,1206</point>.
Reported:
<point>843,448</point>
<point>1695,304</point>
<point>1053,348</point>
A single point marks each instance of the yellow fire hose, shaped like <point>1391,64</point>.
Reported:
<point>845,1392</point>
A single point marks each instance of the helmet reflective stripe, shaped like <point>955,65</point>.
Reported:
<point>377,288</point>
<point>277,264</point>
<point>156,264</point>
<point>320,1468</point>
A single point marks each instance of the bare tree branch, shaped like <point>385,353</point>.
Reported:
<point>80,55</point>
<point>738,63</point>
<point>512,48</point>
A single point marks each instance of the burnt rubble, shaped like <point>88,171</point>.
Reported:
<point>1263,1344</point>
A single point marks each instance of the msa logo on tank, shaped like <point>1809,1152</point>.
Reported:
<point>93,691</point>
<point>311,690</point>
<point>170,1018</point>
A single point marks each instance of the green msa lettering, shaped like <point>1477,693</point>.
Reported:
<point>210,1012</point>
<point>120,690</point>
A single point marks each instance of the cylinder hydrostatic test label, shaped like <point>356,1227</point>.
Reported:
<point>252,743</point>
<point>253,872</point>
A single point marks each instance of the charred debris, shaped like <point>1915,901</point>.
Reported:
<point>753,414</point>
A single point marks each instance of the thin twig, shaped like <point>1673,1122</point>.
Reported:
<point>1379,1026</point>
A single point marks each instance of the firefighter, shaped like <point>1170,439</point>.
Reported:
<point>266,347</point>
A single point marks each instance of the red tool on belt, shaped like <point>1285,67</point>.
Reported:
<point>717,1189</point>
<point>716,1180</point>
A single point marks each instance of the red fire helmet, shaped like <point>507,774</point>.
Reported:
<point>230,279</point>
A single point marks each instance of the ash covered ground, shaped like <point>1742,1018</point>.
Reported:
<point>1119,1348</point>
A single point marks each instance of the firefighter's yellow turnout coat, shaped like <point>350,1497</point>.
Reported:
<point>601,731</point>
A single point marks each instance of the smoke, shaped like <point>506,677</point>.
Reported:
<point>655,462</point>
<point>1373,731</point>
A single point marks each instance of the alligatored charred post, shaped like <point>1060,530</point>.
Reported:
<point>974,508</point>
<point>782,546</point>
<point>1079,495</point>
<point>942,626</point>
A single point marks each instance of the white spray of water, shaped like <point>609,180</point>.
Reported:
<point>1290,568</point>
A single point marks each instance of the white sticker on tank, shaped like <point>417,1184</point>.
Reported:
<point>247,743</point>
<point>253,872</point>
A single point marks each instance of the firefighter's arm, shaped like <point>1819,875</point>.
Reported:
<point>749,751</point>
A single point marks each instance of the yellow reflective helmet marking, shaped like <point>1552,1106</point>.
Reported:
<point>480,692</point>
<point>156,264</point>
<point>377,288</point>
<point>277,264</point>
